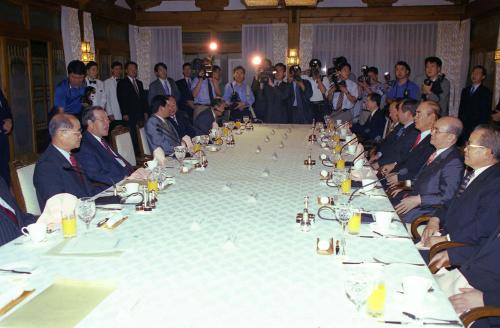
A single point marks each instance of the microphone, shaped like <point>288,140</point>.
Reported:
<point>402,171</point>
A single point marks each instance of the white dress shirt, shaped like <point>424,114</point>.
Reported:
<point>112,106</point>
<point>7,206</point>
<point>100,95</point>
<point>353,89</point>
<point>317,94</point>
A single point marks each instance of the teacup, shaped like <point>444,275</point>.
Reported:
<point>131,187</point>
<point>351,149</point>
<point>35,231</point>
<point>415,288</point>
<point>152,164</point>
<point>338,122</point>
<point>383,219</point>
<point>343,132</point>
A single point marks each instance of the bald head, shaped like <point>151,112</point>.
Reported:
<point>65,131</point>
<point>445,132</point>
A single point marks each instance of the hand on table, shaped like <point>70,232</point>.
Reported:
<point>392,181</point>
<point>387,168</point>
<point>394,192</point>
<point>469,298</point>
<point>431,228</point>
<point>407,204</point>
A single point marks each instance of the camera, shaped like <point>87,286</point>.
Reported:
<point>333,73</point>
<point>364,77</point>
<point>435,85</point>
<point>387,77</point>
<point>266,75</point>
<point>234,100</point>
<point>295,71</point>
<point>315,67</point>
<point>205,68</point>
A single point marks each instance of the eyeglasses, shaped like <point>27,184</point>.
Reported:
<point>76,132</point>
<point>468,145</point>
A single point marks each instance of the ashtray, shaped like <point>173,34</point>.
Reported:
<point>324,247</point>
<point>325,201</point>
<point>309,162</point>
<point>325,175</point>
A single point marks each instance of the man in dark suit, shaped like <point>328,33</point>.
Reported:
<point>475,210</point>
<point>159,131</point>
<point>427,115</point>
<point>373,128</point>
<point>180,123</point>
<point>207,119</point>
<point>401,139</point>
<point>299,111</point>
<point>163,85</point>
<point>132,100</point>
<point>186,101</point>
<point>438,180</point>
<point>12,219</point>
<point>277,95</point>
<point>101,164</point>
<point>57,170</point>
<point>475,103</point>
<point>482,272</point>
<point>5,129</point>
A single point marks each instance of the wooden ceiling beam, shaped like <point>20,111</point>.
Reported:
<point>102,8</point>
<point>481,8</point>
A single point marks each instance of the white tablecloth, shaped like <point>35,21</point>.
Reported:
<point>172,276</point>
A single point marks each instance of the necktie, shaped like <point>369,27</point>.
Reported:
<point>116,156</point>
<point>340,101</point>
<point>75,166</point>
<point>135,86</point>
<point>166,88</point>
<point>189,83</point>
<point>210,92</point>
<point>417,140</point>
<point>464,183</point>
<point>472,89</point>
<point>10,215</point>
<point>431,158</point>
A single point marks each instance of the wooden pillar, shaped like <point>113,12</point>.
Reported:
<point>293,28</point>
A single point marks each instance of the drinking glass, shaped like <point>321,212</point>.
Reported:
<point>376,300</point>
<point>86,210</point>
<point>343,215</point>
<point>68,221</point>
<point>357,290</point>
<point>230,125</point>
<point>180,153</point>
<point>246,119</point>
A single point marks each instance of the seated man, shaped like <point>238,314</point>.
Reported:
<point>57,170</point>
<point>475,210</point>
<point>373,128</point>
<point>440,177</point>
<point>12,219</point>
<point>159,131</point>
<point>100,163</point>
<point>481,271</point>
<point>180,123</point>
<point>400,141</point>
<point>427,115</point>
<point>207,119</point>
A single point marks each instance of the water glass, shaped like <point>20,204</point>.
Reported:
<point>86,210</point>
<point>180,153</point>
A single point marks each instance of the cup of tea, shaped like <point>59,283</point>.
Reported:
<point>35,231</point>
<point>131,187</point>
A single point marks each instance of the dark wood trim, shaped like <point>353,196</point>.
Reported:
<point>480,8</point>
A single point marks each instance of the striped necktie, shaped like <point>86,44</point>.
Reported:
<point>464,183</point>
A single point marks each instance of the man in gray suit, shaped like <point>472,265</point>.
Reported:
<point>163,85</point>
<point>159,131</point>
<point>434,85</point>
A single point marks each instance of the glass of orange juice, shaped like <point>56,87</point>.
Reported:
<point>196,148</point>
<point>226,131</point>
<point>354,224</point>
<point>153,184</point>
<point>346,185</point>
<point>237,124</point>
<point>68,222</point>
<point>376,301</point>
<point>340,164</point>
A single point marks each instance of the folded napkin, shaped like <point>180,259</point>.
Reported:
<point>56,206</point>
<point>159,156</point>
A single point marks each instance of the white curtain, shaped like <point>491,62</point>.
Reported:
<point>452,46</point>
<point>70,28</point>
<point>375,44</point>
<point>88,31</point>
<point>266,40</point>
<point>150,45</point>
<point>166,47</point>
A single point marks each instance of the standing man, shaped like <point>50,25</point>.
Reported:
<point>69,92</point>
<point>239,95</point>
<point>205,88</point>
<point>403,87</point>
<point>343,94</point>
<point>5,130</point>
<point>186,101</point>
<point>277,96</point>
<point>299,109</point>
<point>132,100</point>
<point>112,105</point>
<point>163,85</point>
<point>92,81</point>
<point>434,85</point>
<point>320,85</point>
<point>475,103</point>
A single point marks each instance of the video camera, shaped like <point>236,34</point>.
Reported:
<point>333,73</point>
<point>206,69</point>
<point>436,85</point>
<point>295,71</point>
<point>266,74</point>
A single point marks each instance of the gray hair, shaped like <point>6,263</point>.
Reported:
<point>88,115</point>
<point>490,138</point>
<point>58,122</point>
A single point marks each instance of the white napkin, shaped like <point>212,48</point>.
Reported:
<point>188,142</point>
<point>159,156</point>
<point>9,295</point>
<point>57,206</point>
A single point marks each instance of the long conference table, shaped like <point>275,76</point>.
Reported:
<point>223,249</point>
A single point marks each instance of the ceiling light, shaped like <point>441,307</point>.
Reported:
<point>261,3</point>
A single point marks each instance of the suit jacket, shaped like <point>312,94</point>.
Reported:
<point>54,175</point>
<point>203,122</point>
<point>302,114</point>
<point>132,104</point>
<point>184,91</point>
<point>182,126</point>
<point>277,99</point>
<point>437,182</point>
<point>373,129</point>
<point>394,148</point>
<point>156,88</point>
<point>98,164</point>
<point>161,134</point>
<point>474,109</point>
<point>8,229</point>
<point>415,159</point>
<point>471,217</point>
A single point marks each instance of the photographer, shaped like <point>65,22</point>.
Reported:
<point>319,85</point>
<point>299,106</point>
<point>403,87</point>
<point>277,95</point>
<point>239,96</point>
<point>204,88</point>
<point>368,83</point>
<point>343,93</point>
<point>260,85</point>
<point>434,85</point>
